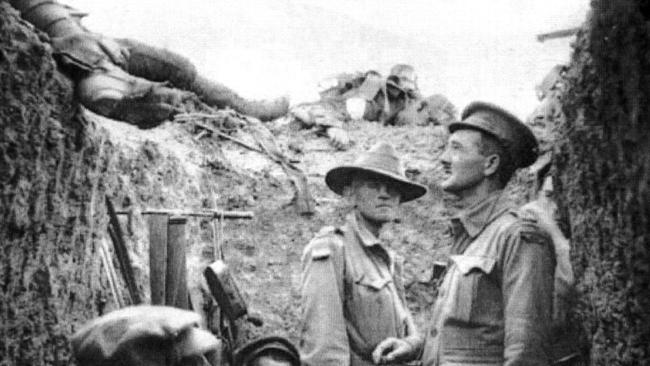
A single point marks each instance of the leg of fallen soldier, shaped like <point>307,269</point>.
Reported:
<point>162,65</point>
<point>158,64</point>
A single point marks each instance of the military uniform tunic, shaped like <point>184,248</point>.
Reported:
<point>351,294</point>
<point>495,301</point>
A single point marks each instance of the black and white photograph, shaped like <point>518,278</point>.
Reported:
<point>324,183</point>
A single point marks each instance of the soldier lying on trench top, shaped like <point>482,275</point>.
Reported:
<point>128,80</point>
<point>395,101</point>
<point>352,292</point>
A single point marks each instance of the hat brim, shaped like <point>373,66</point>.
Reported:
<point>403,85</point>
<point>455,126</point>
<point>340,177</point>
<point>251,350</point>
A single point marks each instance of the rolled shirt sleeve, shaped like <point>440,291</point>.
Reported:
<point>527,288</point>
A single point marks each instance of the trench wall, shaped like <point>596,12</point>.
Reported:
<point>602,162</point>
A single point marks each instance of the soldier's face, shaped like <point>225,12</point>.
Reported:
<point>375,198</point>
<point>393,92</point>
<point>463,164</point>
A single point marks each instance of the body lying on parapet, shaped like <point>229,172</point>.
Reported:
<point>129,80</point>
<point>395,101</point>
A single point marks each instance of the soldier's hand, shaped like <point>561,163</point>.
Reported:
<point>543,213</point>
<point>392,350</point>
<point>339,138</point>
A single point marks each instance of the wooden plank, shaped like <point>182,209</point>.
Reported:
<point>176,282</point>
<point>110,273</point>
<point>122,253</point>
<point>558,34</point>
<point>157,257</point>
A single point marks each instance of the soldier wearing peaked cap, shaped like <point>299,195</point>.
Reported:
<point>495,302</point>
<point>352,292</point>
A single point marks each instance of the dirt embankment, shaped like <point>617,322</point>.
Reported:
<point>52,173</point>
<point>603,170</point>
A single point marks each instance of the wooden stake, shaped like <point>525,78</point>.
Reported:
<point>122,253</point>
<point>157,256</point>
<point>110,273</point>
<point>176,279</point>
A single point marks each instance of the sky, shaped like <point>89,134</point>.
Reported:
<point>465,49</point>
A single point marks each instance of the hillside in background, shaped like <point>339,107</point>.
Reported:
<point>465,50</point>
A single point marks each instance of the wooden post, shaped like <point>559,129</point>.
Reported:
<point>176,280</point>
<point>158,257</point>
<point>558,34</point>
<point>167,252</point>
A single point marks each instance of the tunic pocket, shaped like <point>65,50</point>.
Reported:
<point>371,313</point>
<point>469,272</point>
<point>372,284</point>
